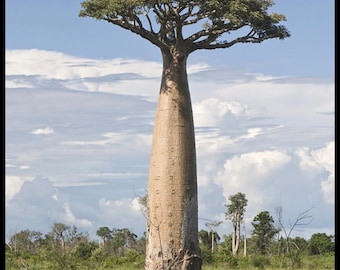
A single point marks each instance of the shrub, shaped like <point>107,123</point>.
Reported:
<point>260,262</point>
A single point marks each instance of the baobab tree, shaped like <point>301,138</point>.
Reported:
<point>104,233</point>
<point>235,213</point>
<point>59,232</point>
<point>179,28</point>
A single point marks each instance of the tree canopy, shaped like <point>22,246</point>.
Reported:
<point>167,23</point>
<point>320,244</point>
<point>238,203</point>
<point>264,230</point>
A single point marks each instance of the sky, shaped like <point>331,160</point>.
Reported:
<point>80,102</point>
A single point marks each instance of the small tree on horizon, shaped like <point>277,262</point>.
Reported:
<point>264,231</point>
<point>235,213</point>
<point>104,233</point>
<point>179,28</point>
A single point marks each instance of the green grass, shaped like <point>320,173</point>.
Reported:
<point>324,262</point>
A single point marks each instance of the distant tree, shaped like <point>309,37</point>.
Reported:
<point>122,239</point>
<point>204,238</point>
<point>321,244</point>
<point>264,231</point>
<point>104,233</point>
<point>84,249</point>
<point>235,212</point>
<point>74,237</point>
<point>58,231</point>
<point>292,250</point>
<point>226,244</point>
<point>212,225</point>
<point>139,244</point>
<point>172,224</point>
<point>25,241</point>
<point>300,243</point>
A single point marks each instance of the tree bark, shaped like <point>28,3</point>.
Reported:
<point>244,240</point>
<point>172,225</point>
<point>236,234</point>
<point>238,237</point>
<point>63,253</point>
<point>234,238</point>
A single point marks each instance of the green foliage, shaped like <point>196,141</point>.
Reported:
<point>321,244</point>
<point>319,262</point>
<point>237,205</point>
<point>125,251</point>
<point>163,22</point>
<point>84,250</point>
<point>264,231</point>
<point>100,9</point>
<point>260,262</point>
<point>83,254</point>
<point>244,262</point>
<point>206,254</point>
<point>204,238</point>
<point>232,261</point>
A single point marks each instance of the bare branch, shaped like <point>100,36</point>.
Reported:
<point>150,24</point>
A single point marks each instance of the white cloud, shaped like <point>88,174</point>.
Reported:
<point>318,162</point>
<point>43,131</point>
<point>326,157</point>
<point>122,213</point>
<point>118,203</point>
<point>62,66</point>
<point>211,111</point>
<point>248,127</point>
<point>12,185</point>
<point>239,169</point>
<point>15,83</point>
<point>115,175</point>
<point>135,141</point>
<point>77,184</point>
<point>327,188</point>
<point>251,133</point>
<point>71,219</point>
<point>198,67</point>
<point>250,174</point>
<point>32,205</point>
<point>307,162</point>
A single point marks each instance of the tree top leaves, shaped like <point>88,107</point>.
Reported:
<point>192,25</point>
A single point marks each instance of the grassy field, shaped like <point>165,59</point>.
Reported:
<point>320,262</point>
<point>306,263</point>
<point>326,262</point>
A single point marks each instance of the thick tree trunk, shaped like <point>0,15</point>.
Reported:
<point>172,225</point>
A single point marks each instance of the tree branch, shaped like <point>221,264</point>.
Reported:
<point>137,29</point>
<point>251,37</point>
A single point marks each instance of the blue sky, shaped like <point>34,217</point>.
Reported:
<point>80,109</point>
<point>55,25</point>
